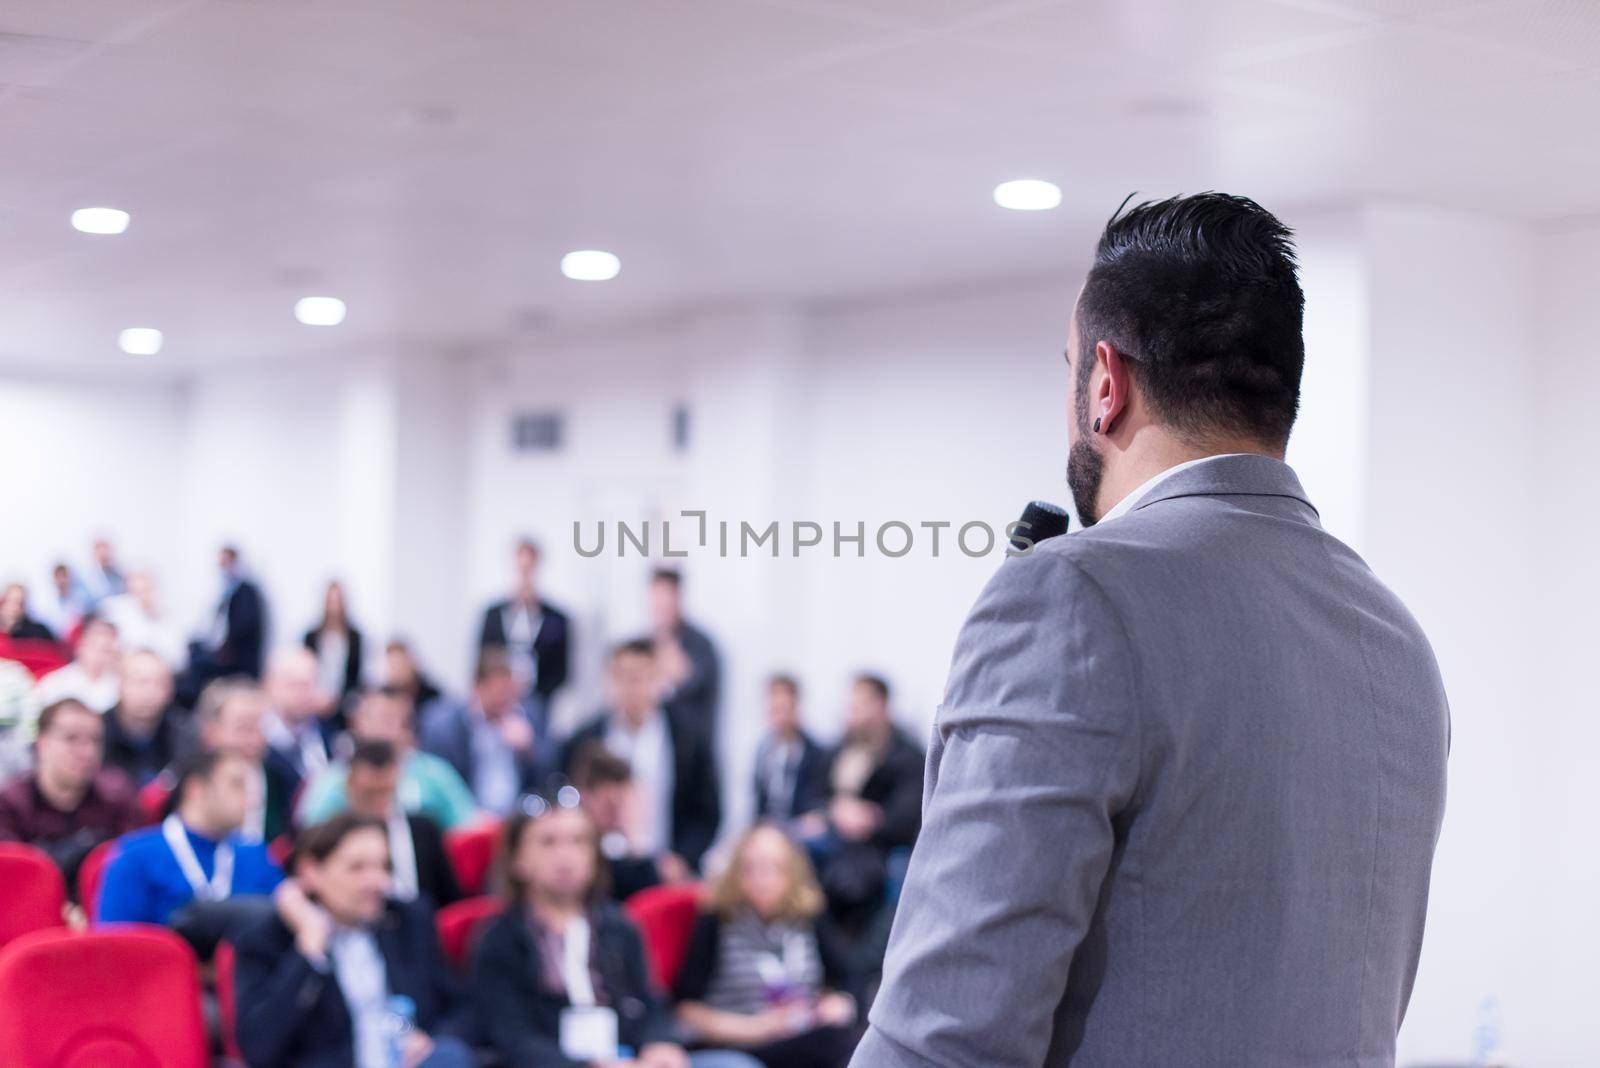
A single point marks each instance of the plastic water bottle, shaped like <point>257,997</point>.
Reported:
<point>400,1020</point>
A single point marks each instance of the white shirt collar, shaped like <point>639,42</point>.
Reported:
<point>1126,505</point>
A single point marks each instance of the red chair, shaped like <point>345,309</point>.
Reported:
<point>665,916</point>
<point>126,998</point>
<point>34,892</point>
<point>471,852</point>
<point>153,798</point>
<point>459,924</point>
<point>222,963</point>
<point>92,874</point>
<point>37,655</point>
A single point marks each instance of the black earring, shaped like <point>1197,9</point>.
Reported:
<point>1097,424</point>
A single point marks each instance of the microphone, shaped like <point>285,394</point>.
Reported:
<point>1040,520</point>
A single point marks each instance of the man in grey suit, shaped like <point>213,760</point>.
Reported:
<point>1187,778</point>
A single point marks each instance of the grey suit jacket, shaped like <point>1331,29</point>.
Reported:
<point>1181,802</point>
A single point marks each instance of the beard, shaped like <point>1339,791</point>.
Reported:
<point>1085,469</point>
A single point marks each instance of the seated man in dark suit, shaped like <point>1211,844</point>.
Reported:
<point>672,763</point>
<point>789,780</point>
<point>341,975</point>
<point>144,728</point>
<point>499,746</point>
<point>872,786</point>
<point>68,804</point>
<point>419,865</point>
<point>535,633</point>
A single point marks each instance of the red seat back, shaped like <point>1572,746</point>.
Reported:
<point>37,655</point>
<point>459,924</point>
<point>123,998</point>
<point>153,798</point>
<point>34,892</point>
<point>222,963</point>
<point>471,851</point>
<point>665,916</point>
<point>92,873</point>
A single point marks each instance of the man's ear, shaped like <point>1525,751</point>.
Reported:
<point>1113,395</point>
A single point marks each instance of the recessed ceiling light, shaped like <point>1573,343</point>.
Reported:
<point>140,341</point>
<point>1027,194</point>
<point>590,265</point>
<point>319,311</point>
<point>100,220</point>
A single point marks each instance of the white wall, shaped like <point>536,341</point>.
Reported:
<point>78,460</point>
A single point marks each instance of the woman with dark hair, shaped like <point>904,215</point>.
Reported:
<point>760,964</point>
<point>337,644</point>
<point>560,977</point>
<point>341,975</point>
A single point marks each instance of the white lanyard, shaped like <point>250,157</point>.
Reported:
<point>575,964</point>
<point>402,859</point>
<point>220,884</point>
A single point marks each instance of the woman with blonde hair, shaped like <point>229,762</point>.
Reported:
<point>761,960</point>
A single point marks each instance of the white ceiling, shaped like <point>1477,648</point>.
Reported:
<point>430,160</point>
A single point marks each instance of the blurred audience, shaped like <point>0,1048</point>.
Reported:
<point>873,789</point>
<point>499,746</point>
<point>605,788</point>
<point>789,779</point>
<point>297,736</point>
<point>402,673</point>
<point>560,977</point>
<point>196,854</point>
<point>321,981</point>
<point>232,643</point>
<point>337,645</point>
<point>763,971</point>
<point>15,622</point>
<point>428,784</point>
<point>140,624</point>
<point>533,632</point>
<point>229,718</point>
<point>65,603</point>
<point>687,660</point>
<point>672,765</point>
<point>69,803</point>
<point>91,677</point>
<point>103,578</point>
<point>144,728</point>
<point>419,865</point>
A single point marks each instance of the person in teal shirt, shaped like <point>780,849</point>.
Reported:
<point>429,786</point>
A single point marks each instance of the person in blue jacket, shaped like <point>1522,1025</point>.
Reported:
<point>195,854</point>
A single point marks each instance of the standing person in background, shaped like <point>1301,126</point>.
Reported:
<point>65,604</point>
<point>673,768</point>
<point>764,971</point>
<point>499,746</point>
<point>428,784</point>
<point>140,623</point>
<point>297,736</point>
<point>417,859</point>
<point>535,633</point>
<point>69,803</point>
<point>92,675</point>
<point>143,730</point>
<point>560,977</point>
<point>789,772</point>
<point>402,674</point>
<point>15,622</point>
<point>233,643</point>
<point>337,644</point>
<point>317,979</point>
<point>196,854</point>
<point>691,671</point>
<point>103,578</point>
